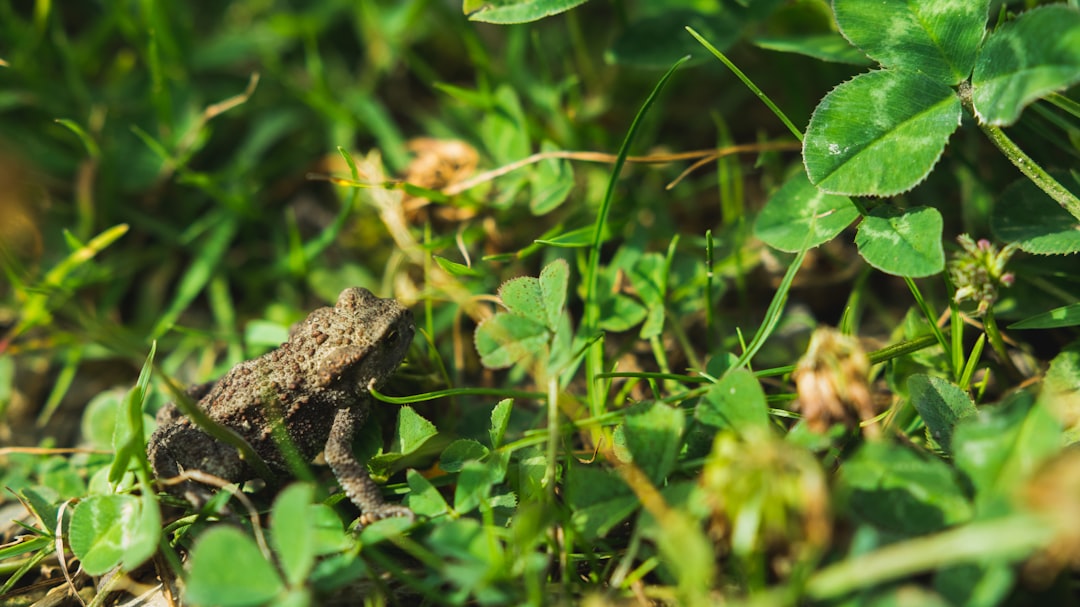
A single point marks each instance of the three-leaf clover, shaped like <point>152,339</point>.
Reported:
<point>881,133</point>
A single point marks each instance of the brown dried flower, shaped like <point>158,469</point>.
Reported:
<point>439,162</point>
<point>832,382</point>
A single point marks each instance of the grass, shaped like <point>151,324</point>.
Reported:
<point>622,388</point>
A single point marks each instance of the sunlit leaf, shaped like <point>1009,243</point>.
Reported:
<point>799,208</point>
<point>879,134</point>
<point>515,11</point>
<point>1024,60</point>
<point>826,47</point>
<point>902,242</point>
<point>227,569</point>
<point>936,38</point>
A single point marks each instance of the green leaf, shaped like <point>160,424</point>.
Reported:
<point>454,268</point>
<point>228,570</point>
<point>412,431</point>
<point>505,339</point>
<point>936,38</point>
<point>976,584</point>
<point>424,498</point>
<point>329,535</point>
<point>826,47</point>
<point>618,311</point>
<point>500,419</point>
<point>598,500</point>
<point>552,182</point>
<point>902,242</point>
<point>460,452</point>
<point>653,436</point>
<point>92,148</point>
<point>648,275</point>
<point>43,508</point>
<point>476,479</point>
<point>100,417</point>
<point>1001,445</point>
<point>504,129</point>
<point>879,134</point>
<point>657,41</point>
<point>554,279</point>
<point>515,11</point>
<point>1024,60</point>
<point>524,297</point>
<point>574,239</point>
<point>292,532</point>
<point>941,404</point>
<point>531,471</point>
<point>798,208</point>
<point>145,531</point>
<point>101,528</point>
<point>108,530</point>
<point>468,553</point>
<point>1027,216</point>
<point>535,324</point>
<point>897,490</point>
<point>294,597</point>
<point>131,423</point>
<point>1065,316</point>
<point>383,530</point>
<point>737,402</point>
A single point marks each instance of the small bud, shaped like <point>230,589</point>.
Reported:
<point>978,271</point>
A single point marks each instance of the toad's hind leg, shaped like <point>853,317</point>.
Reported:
<point>353,476</point>
<point>180,447</point>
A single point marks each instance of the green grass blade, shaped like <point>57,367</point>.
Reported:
<point>594,359</point>
<point>749,84</point>
<point>592,311</point>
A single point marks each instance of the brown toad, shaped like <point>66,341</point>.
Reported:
<point>315,386</point>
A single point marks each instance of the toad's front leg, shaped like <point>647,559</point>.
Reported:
<point>353,476</point>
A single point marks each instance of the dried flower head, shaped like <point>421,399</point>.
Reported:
<point>439,162</point>
<point>979,270</point>
<point>832,382</point>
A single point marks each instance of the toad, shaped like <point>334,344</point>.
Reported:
<point>315,386</point>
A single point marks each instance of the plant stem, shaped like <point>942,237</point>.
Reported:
<point>998,344</point>
<point>1022,161</point>
<point>1010,538</point>
<point>552,437</point>
<point>1032,170</point>
<point>930,319</point>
